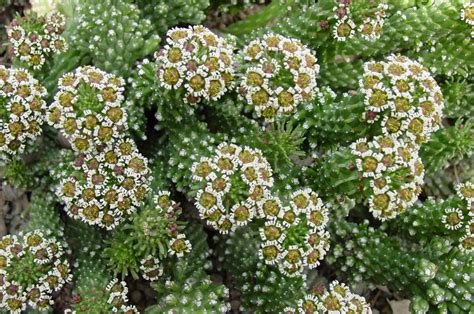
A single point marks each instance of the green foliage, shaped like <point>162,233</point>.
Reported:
<point>114,34</point>
<point>187,287</point>
<point>449,145</point>
<point>262,288</point>
<point>89,294</point>
<point>431,22</point>
<point>181,152</point>
<point>166,14</point>
<point>280,142</point>
<point>425,271</point>
<point>148,233</point>
<point>430,220</point>
<point>332,119</point>
<point>259,19</point>
<point>94,285</point>
<point>459,96</point>
<point>42,214</point>
<point>335,173</point>
<point>441,184</point>
<point>35,168</point>
<point>95,290</point>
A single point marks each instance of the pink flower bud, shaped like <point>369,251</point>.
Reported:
<point>324,24</point>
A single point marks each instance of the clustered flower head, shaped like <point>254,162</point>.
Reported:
<point>117,297</point>
<point>403,97</point>
<point>407,103</point>
<point>337,299</point>
<point>32,269</point>
<point>462,218</point>
<point>395,173</point>
<point>104,188</point>
<point>467,15</point>
<point>35,39</point>
<point>294,236</point>
<point>88,109</point>
<point>178,244</point>
<point>230,185</point>
<point>280,73</point>
<point>370,26</point>
<point>196,63</point>
<point>22,111</point>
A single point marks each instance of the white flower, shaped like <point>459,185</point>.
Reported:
<point>453,218</point>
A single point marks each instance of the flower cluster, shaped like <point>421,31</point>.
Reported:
<point>196,63</point>
<point>280,73</point>
<point>394,171</point>
<point>105,187</point>
<point>87,108</point>
<point>231,184</point>
<point>403,96</point>
<point>456,218</point>
<point>32,269</point>
<point>467,15</point>
<point>22,111</point>
<point>337,299</point>
<point>35,39</point>
<point>294,236</point>
<point>370,27</point>
<point>178,244</point>
<point>117,297</point>
<point>407,103</point>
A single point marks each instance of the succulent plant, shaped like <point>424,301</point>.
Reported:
<point>281,163</point>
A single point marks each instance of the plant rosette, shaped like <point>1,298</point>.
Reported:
<point>33,269</point>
